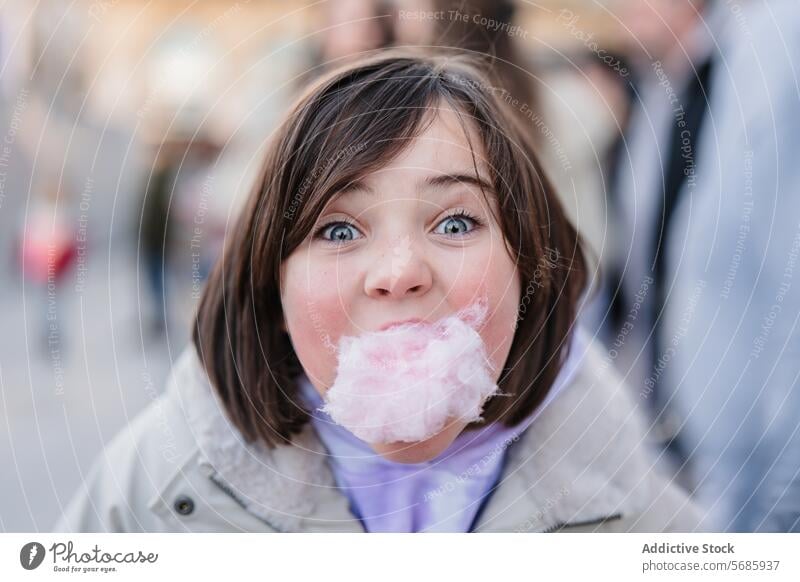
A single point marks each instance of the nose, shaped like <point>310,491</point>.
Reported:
<point>400,271</point>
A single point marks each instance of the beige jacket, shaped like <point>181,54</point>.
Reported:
<point>181,466</point>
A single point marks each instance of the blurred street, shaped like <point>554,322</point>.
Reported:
<point>65,393</point>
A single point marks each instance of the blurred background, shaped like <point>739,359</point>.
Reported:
<point>131,131</point>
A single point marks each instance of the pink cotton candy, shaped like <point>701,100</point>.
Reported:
<point>406,383</point>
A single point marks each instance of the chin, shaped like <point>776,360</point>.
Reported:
<point>420,451</point>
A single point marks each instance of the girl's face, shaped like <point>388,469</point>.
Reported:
<point>414,239</point>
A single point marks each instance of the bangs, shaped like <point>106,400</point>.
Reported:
<point>357,123</point>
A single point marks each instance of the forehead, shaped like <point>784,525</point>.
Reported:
<point>449,142</point>
<point>447,152</point>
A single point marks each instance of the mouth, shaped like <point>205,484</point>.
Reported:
<point>406,385</point>
<point>392,324</point>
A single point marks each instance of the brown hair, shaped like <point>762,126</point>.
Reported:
<point>346,126</point>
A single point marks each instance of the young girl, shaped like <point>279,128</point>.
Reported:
<point>398,189</point>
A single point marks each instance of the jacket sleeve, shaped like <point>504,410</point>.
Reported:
<point>123,480</point>
<point>98,505</point>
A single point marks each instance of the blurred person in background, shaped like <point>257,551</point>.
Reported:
<point>349,28</point>
<point>477,27</point>
<point>735,306</point>
<point>353,27</point>
<point>48,248</point>
<point>155,239</point>
<point>486,28</point>
<point>670,51</point>
<point>179,220</point>
<point>200,219</point>
<point>705,188</point>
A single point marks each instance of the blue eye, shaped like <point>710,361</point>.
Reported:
<point>457,224</point>
<point>341,231</point>
<point>338,232</point>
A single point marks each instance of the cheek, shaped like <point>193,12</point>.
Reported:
<point>504,291</point>
<point>494,275</point>
<point>315,319</point>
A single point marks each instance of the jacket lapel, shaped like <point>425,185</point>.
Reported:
<point>580,462</point>
<point>291,488</point>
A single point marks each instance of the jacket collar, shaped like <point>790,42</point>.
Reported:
<point>291,488</point>
<point>579,462</point>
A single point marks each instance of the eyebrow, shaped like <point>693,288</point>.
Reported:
<point>445,180</point>
<point>438,181</point>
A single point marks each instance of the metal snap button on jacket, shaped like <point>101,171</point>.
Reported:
<point>184,505</point>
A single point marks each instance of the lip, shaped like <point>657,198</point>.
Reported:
<point>391,324</point>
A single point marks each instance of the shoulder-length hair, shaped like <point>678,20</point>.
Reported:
<point>344,127</point>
